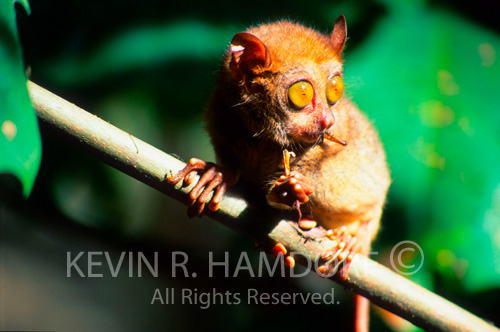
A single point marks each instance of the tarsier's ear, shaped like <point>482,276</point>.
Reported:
<point>247,52</point>
<point>339,34</point>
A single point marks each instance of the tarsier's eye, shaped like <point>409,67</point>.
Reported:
<point>334,89</point>
<point>300,94</point>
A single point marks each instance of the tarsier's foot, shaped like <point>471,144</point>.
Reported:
<point>279,249</point>
<point>214,178</point>
<point>292,190</point>
<point>344,248</point>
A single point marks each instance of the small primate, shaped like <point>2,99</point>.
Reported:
<point>278,119</point>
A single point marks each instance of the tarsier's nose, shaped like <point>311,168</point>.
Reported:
<point>327,119</point>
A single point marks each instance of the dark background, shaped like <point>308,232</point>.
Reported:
<point>148,67</point>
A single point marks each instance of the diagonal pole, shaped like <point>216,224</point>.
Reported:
<point>150,165</point>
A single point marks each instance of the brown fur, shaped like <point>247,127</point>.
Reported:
<point>250,129</point>
<point>250,121</point>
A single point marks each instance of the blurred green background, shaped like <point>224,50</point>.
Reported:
<point>427,74</point>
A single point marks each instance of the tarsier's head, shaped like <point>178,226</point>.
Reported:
<point>290,80</point>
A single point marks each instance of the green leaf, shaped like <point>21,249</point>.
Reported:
<point>430,82</point>
<point>20,143</point>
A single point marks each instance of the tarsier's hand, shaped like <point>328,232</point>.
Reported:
<point>214,178</point>
<point>291,190</point>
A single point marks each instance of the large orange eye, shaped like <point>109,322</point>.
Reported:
<point>300,94</point>
<point>334,89</point>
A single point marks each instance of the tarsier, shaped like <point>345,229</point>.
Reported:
<point>278,119</point>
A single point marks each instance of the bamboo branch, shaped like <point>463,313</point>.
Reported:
<point>150,165</point>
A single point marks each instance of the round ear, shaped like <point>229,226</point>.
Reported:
<point>339,34</point>
<point>247,52</point>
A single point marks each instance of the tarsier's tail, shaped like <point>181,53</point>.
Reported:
<point>361,314</point>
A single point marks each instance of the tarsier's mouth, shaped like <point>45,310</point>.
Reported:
<point>318,138</point>
<point>312,137</point>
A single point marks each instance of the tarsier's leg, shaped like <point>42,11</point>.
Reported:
<point>214,178</point>
<point>347,246</point>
